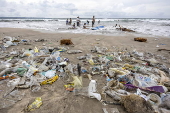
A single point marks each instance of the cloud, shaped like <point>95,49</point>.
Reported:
<point>86,8</point>
<point>40,9</point>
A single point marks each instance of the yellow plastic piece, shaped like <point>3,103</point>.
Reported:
<point>77,81</point>
<point>91,62</point>
<point>50,81</point>
<point>36,50</point>
<point>69,85</point>
<point>36,104</point>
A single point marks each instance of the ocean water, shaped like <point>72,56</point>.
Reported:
<point>141,26</point>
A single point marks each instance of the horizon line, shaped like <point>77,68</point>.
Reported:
<point>87,17</point>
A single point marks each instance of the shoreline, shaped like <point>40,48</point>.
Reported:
<point>121,33</point>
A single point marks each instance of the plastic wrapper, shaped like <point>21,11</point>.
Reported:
<point>36,104</point>
<point>91,61</point>
<point>50,81</point>
<point>36,50</point>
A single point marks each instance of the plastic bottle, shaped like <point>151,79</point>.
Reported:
<point>92,90</point>
<point>31,68</point>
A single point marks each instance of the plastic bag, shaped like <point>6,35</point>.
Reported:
<point>50,73</point>
<point>91,61</point>
<point>78,83</point>
<point>8,43</point>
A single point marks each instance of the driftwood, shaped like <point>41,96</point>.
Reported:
<point>66,42</point>
<point>163,49</point>
<point>140,39</point>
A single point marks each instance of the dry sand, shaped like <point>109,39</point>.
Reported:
<point>55,98</point>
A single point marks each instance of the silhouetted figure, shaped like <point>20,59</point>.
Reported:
<point>93,21</point>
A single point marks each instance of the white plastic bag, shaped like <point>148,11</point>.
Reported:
<point>50,73</point>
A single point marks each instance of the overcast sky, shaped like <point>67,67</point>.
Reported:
<point>85,8</point>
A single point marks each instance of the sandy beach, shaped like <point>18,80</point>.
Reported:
<point>85,42</point>
<point>55,98</point>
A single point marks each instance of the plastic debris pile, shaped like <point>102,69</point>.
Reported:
<point>131,77</point>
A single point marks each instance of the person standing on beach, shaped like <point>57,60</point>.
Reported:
<point>70,22</point>
<point>78,21</point>
<point>67,21</point>
<point>93,21</point>
<point>87,22</point>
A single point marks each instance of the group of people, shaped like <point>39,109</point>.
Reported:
<point>78,23</point>
<point>68,22</point>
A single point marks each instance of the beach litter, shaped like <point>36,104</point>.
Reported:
<point>136,80</point>
<point>35,105</point>
<point>50,81</point>
<point>66,42</point>
<point>140,39</point>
